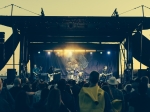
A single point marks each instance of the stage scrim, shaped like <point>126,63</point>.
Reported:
<point>84,62</point>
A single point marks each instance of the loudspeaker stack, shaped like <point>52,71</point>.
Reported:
<point>11,74</point>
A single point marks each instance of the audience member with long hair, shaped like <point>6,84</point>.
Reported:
<point>23,103</point>
<point>55,103</point>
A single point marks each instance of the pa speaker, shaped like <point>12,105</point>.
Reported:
<point>11,74</point>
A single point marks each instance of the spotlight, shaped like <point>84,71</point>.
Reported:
<point>101,52</point>
<point>108,52</point>
<point>91,53</point>
<point>49,52</point>
<point>39,52</point>
<point>70,53</point>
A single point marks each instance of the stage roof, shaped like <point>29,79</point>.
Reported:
<point>74,29</point>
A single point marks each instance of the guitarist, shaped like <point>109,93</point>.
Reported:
<point>50,73</point>
<point>35,72</point>
<point>105,74</point>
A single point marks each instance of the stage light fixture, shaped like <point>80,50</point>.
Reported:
<point>101,52</point>
<point>49,52</point>
<point>91,53</point>
<point>70,53</point>
<point>39,52</point>
<point>108,52</point>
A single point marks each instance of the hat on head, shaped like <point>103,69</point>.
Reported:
<point>112,81</point>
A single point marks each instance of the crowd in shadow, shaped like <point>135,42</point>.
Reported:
<point>70,96</point>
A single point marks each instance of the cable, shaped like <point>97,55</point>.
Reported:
<point>5,7</point>
<point>146,7</point>
<point>27,10</point>
<point>130,10</point>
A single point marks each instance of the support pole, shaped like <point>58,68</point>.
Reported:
<point>129,64</point>
<point>21,70</point>
<point>141,38</point>
<point>141,47</point>
<point>12,6</point>
<point>13,39</point>
<point>129,52</point>
<point>143,10</point>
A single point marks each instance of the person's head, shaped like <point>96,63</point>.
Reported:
<point>5,83</point>
<point>1,84</point>
<point>27,80</point>
<point>54,100</point>
<point>22,100</point>
<point>69,82</point>
<point>26,88</point>
<point>42,86</point>
<point>128,88</point>
<point>41,67</point>
<point>44,94</point>
<point>73,82</point>
<point>9,82</point>
<point>62,84</point>
<point>105,67</point>
<point>104,84</point>
<point>17,82</point>
<point>145,79</point>
<point>135,83</point>
<point>35,66</point>
<point>94,77</point>
<point>51,67</point>
<point>142,88</point>
<point>112,81</point>
<point>120,86</point>
<point>68,89</point>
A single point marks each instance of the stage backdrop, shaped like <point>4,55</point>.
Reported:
<point>84,62</point>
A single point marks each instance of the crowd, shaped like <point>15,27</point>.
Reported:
<point>69,96</point>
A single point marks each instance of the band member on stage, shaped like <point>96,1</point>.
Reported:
<point>128,74</point>
<point>51,73</point>
<point>105,70</point>
<point>51,70</point>
<point>105,74</point>
<point>41,69</point>
<point>76,72</point>
<point>35,71</point>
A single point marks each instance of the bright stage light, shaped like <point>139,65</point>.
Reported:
<point>101,52</point>
<point>91,53</point>
<point>108,52</point>
<point>49,52</point>
<point>39,52</point>
<point>70,53</point>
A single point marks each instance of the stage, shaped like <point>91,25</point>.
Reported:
<point>80,63</point>
<point>44,42</point>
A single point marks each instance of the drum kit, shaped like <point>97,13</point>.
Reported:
<point>70,74</point>
<point>75,75</point>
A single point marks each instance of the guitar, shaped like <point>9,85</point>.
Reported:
<point>105,77</point>
<point>36,74</point>
<point>103,74</point>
